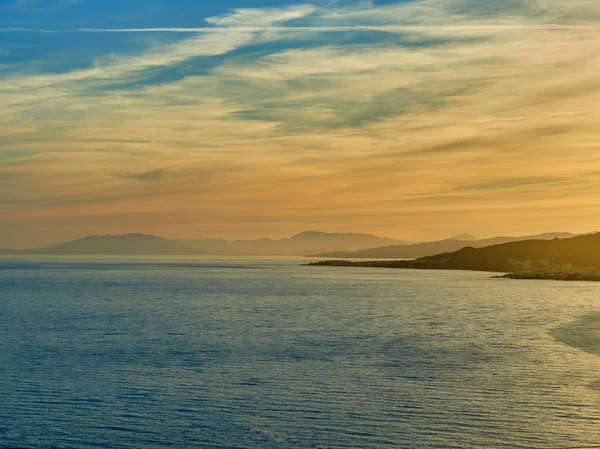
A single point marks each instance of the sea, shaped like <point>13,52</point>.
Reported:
<point>268,353</point>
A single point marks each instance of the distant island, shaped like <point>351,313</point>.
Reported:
<point>142,244</point>
<point>301,244</point>
<point>576,258</point>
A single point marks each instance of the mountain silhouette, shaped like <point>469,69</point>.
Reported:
<point>468,237</point>
<point>142,244</point>
<point>572,258</point>
<point>300,244</point>
<point>125,244</point>
<point>431,248</point>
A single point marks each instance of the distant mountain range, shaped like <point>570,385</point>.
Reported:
<point>576,258</point>
<point>142,244</point>
<point>321,244</point>
<point>468,237</point>
<point>300,244</point>
<point>417,250</point>
<point>126,244</point>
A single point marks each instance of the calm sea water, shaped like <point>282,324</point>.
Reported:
<point>259,353</point>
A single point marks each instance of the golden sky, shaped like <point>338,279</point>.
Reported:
<point>415,120</point>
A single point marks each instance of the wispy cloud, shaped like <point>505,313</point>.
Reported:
<point>262,16</point>
<point>150,175</point>
<point>320,28</point>
<point>26,30</point>
<point>361,113</point>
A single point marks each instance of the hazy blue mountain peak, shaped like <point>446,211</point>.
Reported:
<point>464,237</point>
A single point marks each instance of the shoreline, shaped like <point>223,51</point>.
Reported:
<point>571,274</point>
<point>556,276</point>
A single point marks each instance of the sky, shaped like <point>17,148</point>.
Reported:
<point>412,119</point>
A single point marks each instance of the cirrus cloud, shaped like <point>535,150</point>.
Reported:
<point>416,116</point>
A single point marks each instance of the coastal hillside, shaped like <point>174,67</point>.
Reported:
<point>436,247</point>
<point>555,258</point>
<point>582,252</point>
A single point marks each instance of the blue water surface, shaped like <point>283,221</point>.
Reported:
<point>267,353</point>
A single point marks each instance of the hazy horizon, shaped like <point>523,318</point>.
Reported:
<point>398,241</point>
<point>133,133</point>
<point>249,118</point>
